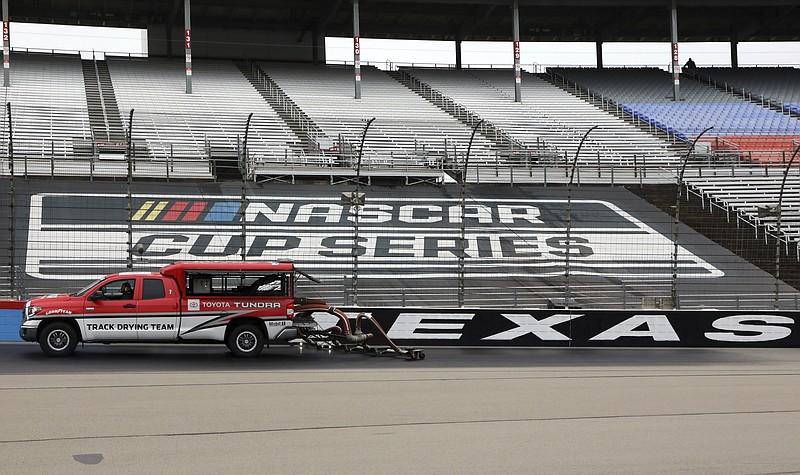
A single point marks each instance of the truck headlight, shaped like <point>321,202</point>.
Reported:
<point>32,310</point>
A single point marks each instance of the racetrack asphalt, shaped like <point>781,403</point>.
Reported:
<point>196,409</point>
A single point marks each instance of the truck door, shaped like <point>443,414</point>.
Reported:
<point>111,311</point>
<point>158,312</point>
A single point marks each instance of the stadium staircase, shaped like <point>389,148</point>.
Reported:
<point>297,120</point>
<point>104,116</point>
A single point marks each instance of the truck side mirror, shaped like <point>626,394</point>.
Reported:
<point>96,295</point>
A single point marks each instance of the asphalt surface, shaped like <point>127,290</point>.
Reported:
<point>196,409</point>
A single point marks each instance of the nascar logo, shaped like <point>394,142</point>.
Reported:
<point>188,211</point>
<point>508,237</point>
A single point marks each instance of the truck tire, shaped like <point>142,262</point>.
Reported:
<point>58,339</point>
<point>245,341</point>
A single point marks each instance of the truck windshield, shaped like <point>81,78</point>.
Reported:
<point>87,288</point>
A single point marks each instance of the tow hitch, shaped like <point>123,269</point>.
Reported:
<point>344,337</point>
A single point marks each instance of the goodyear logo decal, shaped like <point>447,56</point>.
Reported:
<point>188,211</point>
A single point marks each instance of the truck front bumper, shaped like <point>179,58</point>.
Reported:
<point>27,331</point>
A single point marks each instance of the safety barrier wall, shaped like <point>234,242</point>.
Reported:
<point>555,328</point>
<point>10,317</point>
<point>622,251</point>
<point>590,328</point>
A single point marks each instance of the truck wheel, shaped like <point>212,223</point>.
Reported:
<point>58,339</point>
<point>246,341</point>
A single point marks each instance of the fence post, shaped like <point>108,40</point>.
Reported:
<point>91,160</point>
<point>12,218</point>
<point>12,211</point>
<point>624,296</point>
<point>598,164</point>
<point>169,160</point>
<point>129,203</point>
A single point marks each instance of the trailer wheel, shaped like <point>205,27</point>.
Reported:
<point>245,341</point>
<point>58,339</point>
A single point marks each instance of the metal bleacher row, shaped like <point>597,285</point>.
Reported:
<point>774,85</point>
<point>211,120</point>
<point>753,194</point>
<point>407,130</point>
<point>547,113</point>
<point>48,114</point>
<point>647,93</point>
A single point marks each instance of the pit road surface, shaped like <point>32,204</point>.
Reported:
<point>196,409</point>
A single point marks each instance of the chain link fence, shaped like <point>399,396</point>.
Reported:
<point>529,247</point>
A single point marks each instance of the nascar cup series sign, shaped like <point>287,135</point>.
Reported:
<point>505,237</point>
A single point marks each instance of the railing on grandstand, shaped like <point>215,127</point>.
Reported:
<point>69,52</point>
<point>389,65</point>
<point>315,135</point>
<point>514,166</point>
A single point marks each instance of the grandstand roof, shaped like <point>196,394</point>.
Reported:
<point>540,20</point>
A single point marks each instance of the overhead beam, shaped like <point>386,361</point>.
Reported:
<point>466,27</point>
<point>329,16</point>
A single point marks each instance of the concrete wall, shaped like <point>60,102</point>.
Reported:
<point>10,317</point>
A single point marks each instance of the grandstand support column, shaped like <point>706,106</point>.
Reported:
<point>463,247</point>
<point>517,70</point>
<point>779,213</point>
<point>676,73</point>
<point>458,52</point>
<point>677,222</point>
<point>314,46</point>
<point>187,42</point>
<point>6,47</point>
<point>598,48</point>
<point>734,53</point>
<point>356,50</point>
<point>567,288</point>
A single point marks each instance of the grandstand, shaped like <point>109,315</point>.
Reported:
<point>306,128</point>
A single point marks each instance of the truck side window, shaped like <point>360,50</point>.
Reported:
<point>118,290</point>
<point>271,285</point>
<point>153,289</point>
<point>240,284</point>
<point>199,284</point>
